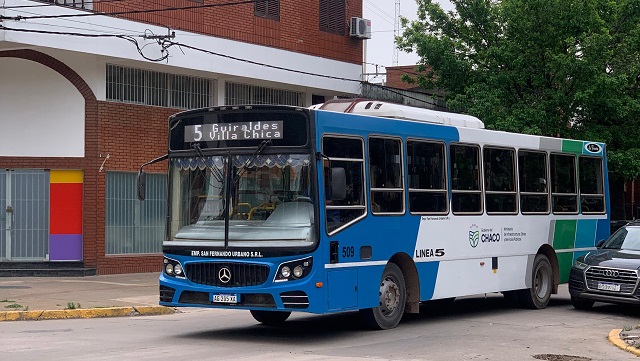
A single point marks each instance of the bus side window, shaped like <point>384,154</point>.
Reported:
<point>385,166</point>
<point>500,182</point>
<point>346,153</point>
<point>591,185</point>
<point>427,180</point>
<point>466,195</point>
<point>564,193</point>
<point>532,171</point>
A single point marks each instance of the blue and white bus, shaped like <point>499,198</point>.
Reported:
<point>370,206</point>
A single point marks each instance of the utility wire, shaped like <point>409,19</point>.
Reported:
<point>63,5</point>
<point>128,12</point>
<point>129,38</point>
<point>169,43</point>
<point>166,44</point>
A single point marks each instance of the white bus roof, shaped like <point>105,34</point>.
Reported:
<point>377,108</point>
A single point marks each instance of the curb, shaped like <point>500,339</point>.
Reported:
<point>85,313</point>
<point>614,338</point>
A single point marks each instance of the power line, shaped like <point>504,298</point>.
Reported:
<point>181,45</point>
<point>166,44</point>
<point>129,38</point>
<point>56,4</point>
<point>128,12</point>
<point>379,9</point>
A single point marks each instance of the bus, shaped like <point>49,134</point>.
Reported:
<point>370,206</point>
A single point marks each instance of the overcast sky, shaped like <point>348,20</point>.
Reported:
<point>380,48</point>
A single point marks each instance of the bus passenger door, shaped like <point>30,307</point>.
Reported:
<point>343,289</point>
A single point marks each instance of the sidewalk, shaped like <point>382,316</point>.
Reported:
<point>37,298</point>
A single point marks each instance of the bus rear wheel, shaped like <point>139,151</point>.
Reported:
<point>270,318</point>
<point>393,296</point>
<point>539,294</point>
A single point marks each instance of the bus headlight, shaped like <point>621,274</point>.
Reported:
<point>173,268</point>
<point>301,269</point>
<point>168,269</point>
<point>285,272</point>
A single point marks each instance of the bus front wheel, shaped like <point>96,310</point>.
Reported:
<point>541,286</point>
<point>270,318</point>
<point>393,296</point>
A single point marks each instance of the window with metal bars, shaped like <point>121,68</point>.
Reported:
<point>236,94</point>
<point>139,86</point>
<point>269,9</point>
<point>133,226</point>
<point>332,16</point>
<point>81,4</point>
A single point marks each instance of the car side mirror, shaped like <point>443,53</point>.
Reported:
<point>600,243</point>
<point>142,184</point>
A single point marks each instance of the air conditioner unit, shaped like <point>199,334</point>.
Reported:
<point>360,28</point>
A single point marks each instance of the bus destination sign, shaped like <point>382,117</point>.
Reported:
<point>271,129</point>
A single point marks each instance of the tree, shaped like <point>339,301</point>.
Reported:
<point>560,68</point>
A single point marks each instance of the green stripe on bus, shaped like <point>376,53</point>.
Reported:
<point>572,146</point>
<point>565,260</point>
<point>564,234</point>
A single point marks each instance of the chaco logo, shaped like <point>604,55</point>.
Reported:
<point>474,236</point>
<point>593,148</point>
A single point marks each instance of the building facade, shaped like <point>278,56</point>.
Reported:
<point>85,99</point>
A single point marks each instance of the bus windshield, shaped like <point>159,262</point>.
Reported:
<point>270,203</point>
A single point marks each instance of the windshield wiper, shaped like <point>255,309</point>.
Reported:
<point>261,147</point>
<point>214,171</point>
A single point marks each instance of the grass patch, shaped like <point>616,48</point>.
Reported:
<point>72,306</point>
<point>13,305</point>
<point>6,301</point>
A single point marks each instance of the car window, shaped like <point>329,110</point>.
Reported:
<point>625,238</point>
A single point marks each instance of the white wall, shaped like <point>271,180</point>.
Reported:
<point>187,59</point>
<point>41,113</point>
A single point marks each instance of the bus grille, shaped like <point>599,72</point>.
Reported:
<point>627,279</point>
<point>240,274</point>
<point>295,299</point>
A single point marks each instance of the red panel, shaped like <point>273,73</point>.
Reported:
<point>65,208</point>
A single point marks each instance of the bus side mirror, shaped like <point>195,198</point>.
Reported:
<point>338,184</point>
<point>600,243</point>
<point>142,184</point>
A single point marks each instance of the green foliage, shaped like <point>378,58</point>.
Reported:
<point>560,68</point>
<point>72,306</point>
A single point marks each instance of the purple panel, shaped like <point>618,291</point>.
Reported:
<point>65,247</point>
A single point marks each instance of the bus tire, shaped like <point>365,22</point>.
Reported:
<point>270,318</point>
<point>538,296</point>
<point>393,296</point>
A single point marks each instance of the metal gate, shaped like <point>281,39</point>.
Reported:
<point>24,215</point>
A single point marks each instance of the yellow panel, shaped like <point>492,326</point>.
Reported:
<point>65,176</point>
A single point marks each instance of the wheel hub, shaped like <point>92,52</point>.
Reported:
<point>389,297</point>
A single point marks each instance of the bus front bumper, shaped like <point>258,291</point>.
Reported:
<point>300,295</point>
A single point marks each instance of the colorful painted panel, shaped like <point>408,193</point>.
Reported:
<point>65,239</point>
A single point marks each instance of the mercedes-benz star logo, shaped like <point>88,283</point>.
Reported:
<point>224,275</point>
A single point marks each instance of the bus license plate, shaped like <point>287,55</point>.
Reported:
<point>225,298</point>
<point>609,286</point>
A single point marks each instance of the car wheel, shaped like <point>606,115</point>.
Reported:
<point>393,296</point>
<point>581,303</point>
<point>270,318</point>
